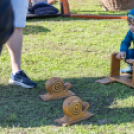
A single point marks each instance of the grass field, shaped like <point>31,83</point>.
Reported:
<point>79,52</point>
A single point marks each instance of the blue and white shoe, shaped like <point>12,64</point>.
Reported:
<point>127,70</point>
<point>21,79</point>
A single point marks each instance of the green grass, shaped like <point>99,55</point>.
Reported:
<point>89,7</point>
<point>79,52</point>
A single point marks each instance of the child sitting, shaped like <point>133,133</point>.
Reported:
<point>125,52</point>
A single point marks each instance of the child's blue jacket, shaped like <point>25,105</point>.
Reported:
<point>125,44</point>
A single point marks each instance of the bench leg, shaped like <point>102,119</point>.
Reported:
<point>115,66</point>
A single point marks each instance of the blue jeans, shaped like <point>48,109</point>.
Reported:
<point>130,54</point>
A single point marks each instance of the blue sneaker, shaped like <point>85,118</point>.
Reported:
<point>21,79</point>
<point>127,70</point>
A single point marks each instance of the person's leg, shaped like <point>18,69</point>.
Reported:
<point>51,1</point>
<point>14,46</point>
<point>129,55</point>
<point>18,77</point>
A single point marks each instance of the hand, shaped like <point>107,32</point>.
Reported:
<point>130,61</point>
<point>120,55</point>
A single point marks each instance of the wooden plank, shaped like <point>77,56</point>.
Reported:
<point>88,16</point>
<point>126,79</point>
<point>66,9</point>
<point>115,65</point>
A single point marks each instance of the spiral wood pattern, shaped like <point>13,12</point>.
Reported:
<point>72,106</point>
<point>57,87</point>
<point>54,85</point>
<point>75,108</point>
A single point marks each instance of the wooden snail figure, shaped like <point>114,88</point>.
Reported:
<point>75,110</point>
<point>57,89</point>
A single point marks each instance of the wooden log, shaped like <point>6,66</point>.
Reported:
<point>97,16</point>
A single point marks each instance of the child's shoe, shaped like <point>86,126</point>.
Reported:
<point>21,79</point>
<point>127,70</point>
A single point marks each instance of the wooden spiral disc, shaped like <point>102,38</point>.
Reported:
<point>54,85</point>
<point>72,106</point>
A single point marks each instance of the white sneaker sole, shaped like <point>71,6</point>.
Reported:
<point>19,84</point>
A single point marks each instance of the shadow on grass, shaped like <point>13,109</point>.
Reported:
<point>35,29</point>
<point>22,107</point>
<point>55,19</point>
